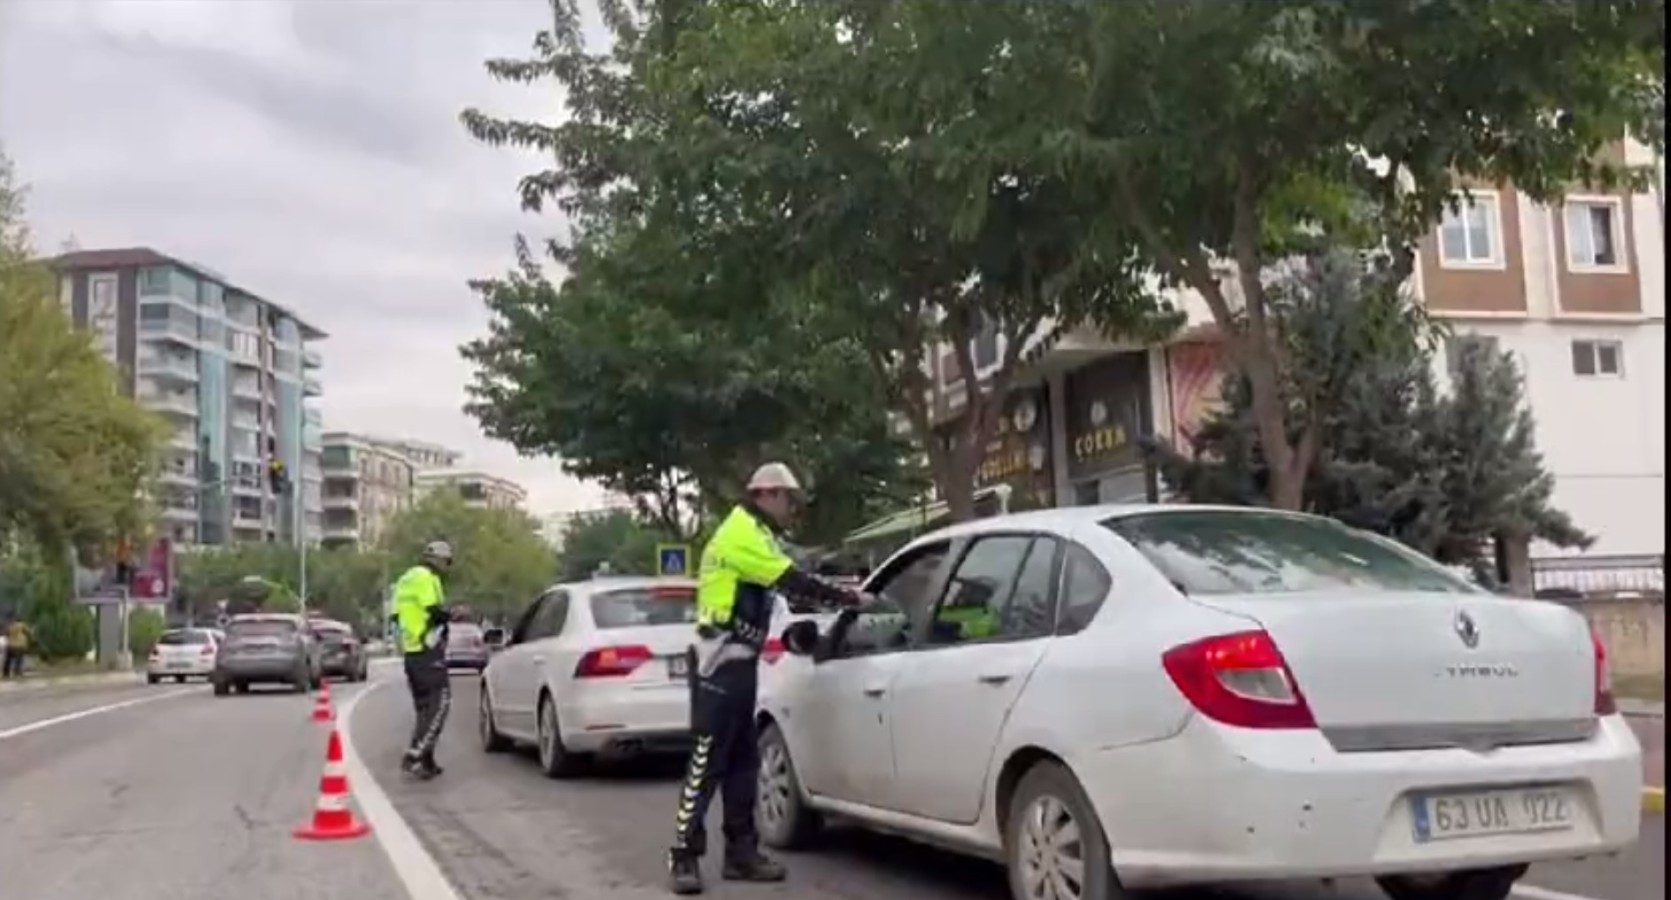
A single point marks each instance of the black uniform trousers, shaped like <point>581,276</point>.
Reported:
<point>725,758</point>
<point>432,696</point>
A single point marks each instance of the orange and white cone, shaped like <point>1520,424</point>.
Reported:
<point>322,710</point>
<point>333,820</point>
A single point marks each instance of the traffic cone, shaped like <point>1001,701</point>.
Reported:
<point>322,711</point>
<point>332,818</point>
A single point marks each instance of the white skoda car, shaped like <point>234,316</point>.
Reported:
<point>595,667</point>
<point>1128,697</point>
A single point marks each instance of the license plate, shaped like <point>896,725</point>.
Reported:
<point>179,665</point>
<point>1449,816</point>
<point>678,666</point>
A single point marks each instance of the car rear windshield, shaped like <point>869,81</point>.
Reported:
<point>644,606</point>
<point>459,633</point>
<point>1218,552</point>
<point>261,628</point>
<point>332,632</point>
<point>183,639</point>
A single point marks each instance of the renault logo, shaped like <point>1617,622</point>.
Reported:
<point>1467,630</point>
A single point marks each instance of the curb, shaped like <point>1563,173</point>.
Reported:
<point>1653,801</point>
<point>38,683</point>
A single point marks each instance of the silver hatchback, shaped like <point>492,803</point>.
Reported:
<point>267,648</point>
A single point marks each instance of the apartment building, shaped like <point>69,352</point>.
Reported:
<point>1575,292</point>
<point>422,454</point>
<point>236,376</point>
<point>556,527</point>
<point>478,488</point>
<point>366,482</point>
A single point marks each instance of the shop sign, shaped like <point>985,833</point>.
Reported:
<point>1018,453</point>
<point>1108,411</point>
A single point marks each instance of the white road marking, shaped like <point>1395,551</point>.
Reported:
<point>417,869</point>
<point>1529,892</point>
<point>21,730</point>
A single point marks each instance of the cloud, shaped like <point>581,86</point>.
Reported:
<point>310,152</point>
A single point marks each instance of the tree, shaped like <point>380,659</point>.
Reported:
<point>1445,474</point>
<point>500,564</point>
<point>615,537</point>
<point>770,151</point>
<point>76,455</point>
<point>1238,134</point>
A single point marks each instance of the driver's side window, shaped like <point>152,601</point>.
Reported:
<point>905,590</point>
<point>525,622</point>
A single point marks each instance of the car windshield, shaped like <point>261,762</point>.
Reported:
<point>183,639</point>
<point>644,606</point>
<point>261,628</point>
<point>1218,552</point>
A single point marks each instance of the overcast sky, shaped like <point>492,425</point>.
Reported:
<point>308,150</point>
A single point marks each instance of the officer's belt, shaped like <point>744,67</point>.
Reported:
<point>718,645</point>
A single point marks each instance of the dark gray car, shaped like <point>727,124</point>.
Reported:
<point>267,648</point>
<point>340,653</point>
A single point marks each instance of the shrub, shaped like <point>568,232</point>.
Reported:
<point>145,628</point>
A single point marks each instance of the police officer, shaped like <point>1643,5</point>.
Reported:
<point>420,609</point>
<point>741,566</point>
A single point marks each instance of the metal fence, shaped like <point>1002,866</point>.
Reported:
<point>1599,577</point>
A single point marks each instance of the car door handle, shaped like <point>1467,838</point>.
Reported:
<point>539,660</point>
<point>995,678</point>
<point>875,691</point>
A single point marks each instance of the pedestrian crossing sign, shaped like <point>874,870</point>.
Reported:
<point>673,559</point>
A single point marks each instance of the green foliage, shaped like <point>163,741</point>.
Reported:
<point>75,454</point>
<point>499,561</point>
<point>145,628</point>
<point>615,537</point>
<point>62,631</point>
<point>1445,474</point>
<point>346,585</point>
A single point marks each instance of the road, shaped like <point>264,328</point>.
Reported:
<point>164,793</point>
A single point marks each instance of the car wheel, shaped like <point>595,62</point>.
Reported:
<point>1053,842</point>
<point>153,679</point>
<point>179,679</point>
<point>492,740</point>
<point>241,687</point>
<point>1474,884</point>
<point>222,688</point>
<point>785,820</point>
<point>555,759</point>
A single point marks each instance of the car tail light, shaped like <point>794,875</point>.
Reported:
<point>773,651</point>
<point>1240,679</point>
<point>1606,703</point>
<point>208,650</point>
<point>612,662</point>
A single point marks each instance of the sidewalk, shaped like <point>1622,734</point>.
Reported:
<point>31,682</point>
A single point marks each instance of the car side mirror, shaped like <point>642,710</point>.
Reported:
<point>801,638</point>
<point>495,638</point>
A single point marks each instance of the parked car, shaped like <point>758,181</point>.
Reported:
<point>267,648</point>
<point>594,668</point>
<point>340,653</point>
<point>182,653</point>
<point>1147,696</point>
<point>466,647</point>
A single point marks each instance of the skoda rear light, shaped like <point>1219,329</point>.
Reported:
<point>773,651</point>
<point>612,662</point>
<point>1241,680</point>
<point>1606,703</point>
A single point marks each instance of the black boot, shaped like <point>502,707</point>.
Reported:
<point>684,875</point>
<point>752,866</point>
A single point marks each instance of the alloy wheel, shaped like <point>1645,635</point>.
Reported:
<point>1052,853</point>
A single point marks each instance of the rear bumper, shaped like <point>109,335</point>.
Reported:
<point>622,719</point>
<point>1215,804</point>
<point>347,665</point>
<point>284,670</point>
<point>477,663</point>
<point>174,669</point>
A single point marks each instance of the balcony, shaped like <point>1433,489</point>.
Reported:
<point>247,486</point>
<point>312,387</point>
<point>179,475</point>
<point>312,360</point>
<point>169,331</point>
<point>183,439</point>
<point>246,389</point>
<point>312,416</point>
<point>341,501</point>
<point>243,517</point>
<point>168,367</point>
<point>177,402</point>
<point>312,439</point>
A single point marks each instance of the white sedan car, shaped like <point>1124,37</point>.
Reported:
<point>595,667</point>
<point>1106,698</point>
<point>183,653</point>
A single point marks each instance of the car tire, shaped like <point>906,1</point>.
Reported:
<point>555,759</point>
<point>153,679</point>
<point>1047,802</point>
<point>221,686</point>
<point>1473,884</point>
<point>241,687</point>
<point>785,820</point>
<point>492,740</point>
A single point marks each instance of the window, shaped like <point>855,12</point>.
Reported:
<point>154,281</point>
<point>1030,612</point>
<point>979,591</point>
<point>1085,585</point>
<point>1462,348</point>
<point>553,613</point>
<point>1218,552</point>
<point>905,583</point>
<point>644,606</point>
<point>190,637</point>
<point>525,622</point>
<point>1594,238</point>
<point>987,346</point>
<point>1597,358</point>
<point>1468,234</point>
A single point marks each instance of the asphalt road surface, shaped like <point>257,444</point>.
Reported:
<point>500,831</point>
<point>170,793</point>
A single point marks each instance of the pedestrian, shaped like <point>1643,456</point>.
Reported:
<point>420,609</point>
<point>741,566</point>
<point>18,636</point>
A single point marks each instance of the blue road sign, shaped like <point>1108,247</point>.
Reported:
<point>673,559</point>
